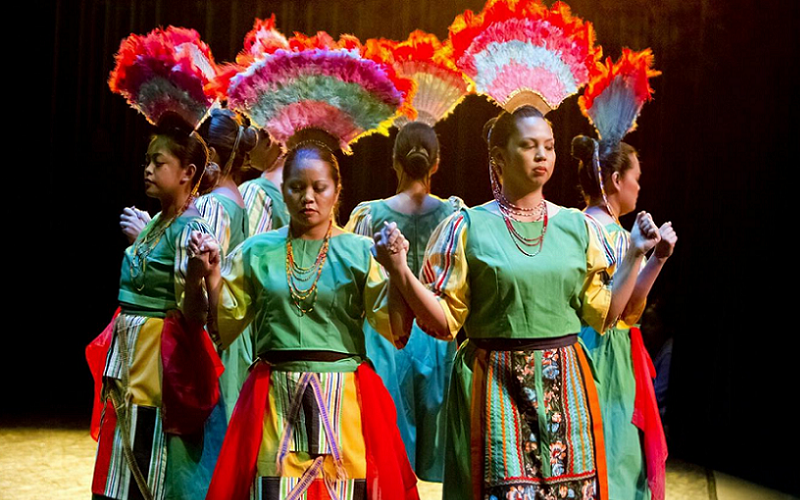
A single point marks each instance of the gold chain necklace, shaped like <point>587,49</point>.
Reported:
<point>150,239</point>
<point>296,274</point>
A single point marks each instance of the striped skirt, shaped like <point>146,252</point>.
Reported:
<point>523,424</point>
<point>313,435</point>
<point>168,466</point>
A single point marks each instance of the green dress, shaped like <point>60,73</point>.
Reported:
<point>151,285</point>
<point>611,355</point>
<point>522,410</point>
<point>266,209</point>
<point>230,225</point>
<point>313,422</point>
<point>417,375</point>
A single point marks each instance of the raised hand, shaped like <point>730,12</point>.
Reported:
<point>390,248</point>
<point>204,254</point>
<point>669,238</point>
<point>645,234</point>
<point>132,221</point>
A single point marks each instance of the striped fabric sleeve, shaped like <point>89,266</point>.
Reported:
<point>182,256</point>
<point>621,241</point>
<point>259,207</point>
<point>600,265</point>
<point>235,310</point>
<point>444,270</point>
<point>217,219</point>
<point>360,221</point>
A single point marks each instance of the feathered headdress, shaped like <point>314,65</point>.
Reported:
<point>319,83</point>
<point>260,41</point>
<point>616,93</point>
<point>520,52</point>
<point>166,70</point>
<point>612,102</point>
<point>440,85</point>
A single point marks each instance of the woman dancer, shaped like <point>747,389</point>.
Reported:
<point>520,274</point>
<point>417,375</point>
<point>152,403</point>
<point>609,175</point>
<point>313,419</point>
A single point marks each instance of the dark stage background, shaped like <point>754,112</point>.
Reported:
<point>717,148</point>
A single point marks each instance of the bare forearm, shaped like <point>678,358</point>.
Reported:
<point>195,305</point>
<point>423,303</point>
<point>624,284</point>
<point>400,317</point>
<point>644,282</point>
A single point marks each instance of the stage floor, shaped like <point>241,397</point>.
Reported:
<point>56,463</point>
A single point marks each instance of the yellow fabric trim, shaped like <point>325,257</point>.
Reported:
<point>234,312</point>
<point>351,442</point>
<point>145,369</point>
<point>596,291</point>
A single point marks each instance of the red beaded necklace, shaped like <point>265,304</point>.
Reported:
<point>510,211</point>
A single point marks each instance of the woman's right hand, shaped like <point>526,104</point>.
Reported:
<point>645,234</point>
<point>132,221</point>
<point>204,254</point>
<point>390,248</point>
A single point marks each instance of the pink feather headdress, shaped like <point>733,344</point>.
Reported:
<point>320,83</point>
<point>519,52</point>
<point>166,70</point>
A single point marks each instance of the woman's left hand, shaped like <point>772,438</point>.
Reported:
<point>390,248</point>
<point>669,238</point>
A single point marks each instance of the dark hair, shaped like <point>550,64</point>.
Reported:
<point>221,131</point>
<point>183,142</point>
<point>612,157</point>
<point>497,131</point>
<point>416,149</point>
<point>313,151</point>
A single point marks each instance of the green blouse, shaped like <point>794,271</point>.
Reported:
<point>153,284</point>
<point>495,291</point>
<point>369,216</point>
<point>351,287</point>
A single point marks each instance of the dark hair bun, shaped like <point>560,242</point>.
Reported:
<point>416,149</point>
<point>583,149</point>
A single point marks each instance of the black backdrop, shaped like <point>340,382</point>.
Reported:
<point>716,148</point>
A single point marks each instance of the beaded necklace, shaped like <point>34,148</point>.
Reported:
<point>150,239</point>
<point>510,212</point>
<point>296,274</point>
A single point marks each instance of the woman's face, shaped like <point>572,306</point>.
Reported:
<point>310,192</point>
<point>627,185</point>
<point>528,160</point>
<point>164,176</point>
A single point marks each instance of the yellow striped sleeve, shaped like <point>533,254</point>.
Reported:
<point>235,310</point>
<point>445,271</point>
<point>217,218</point>
<point>259,207</point>
<point>360,221</point>
<point>596,291</point>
